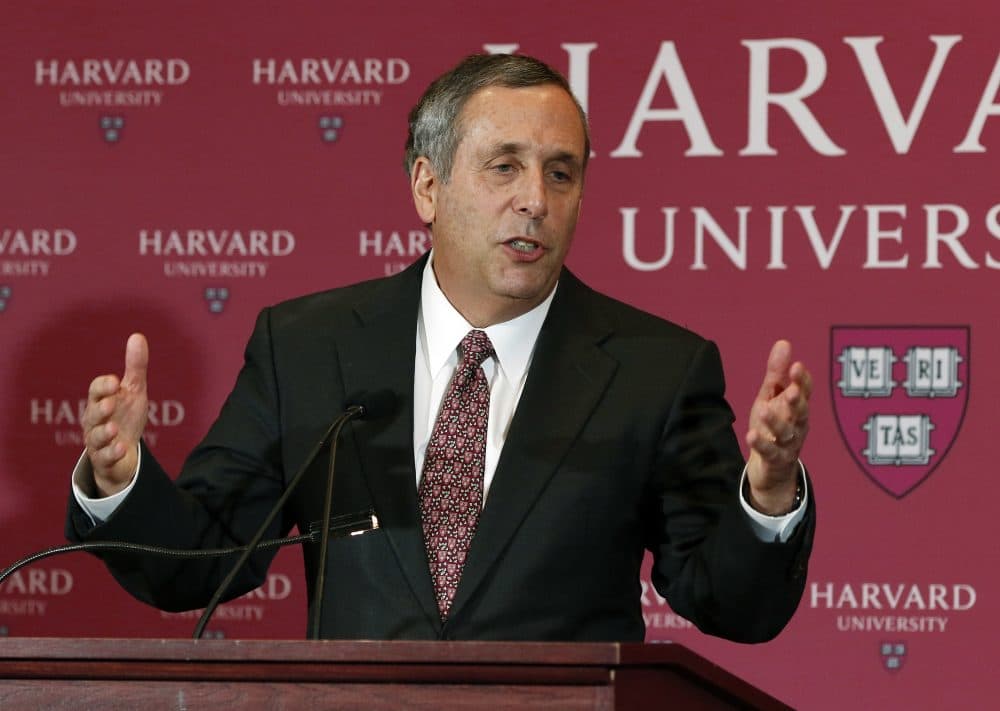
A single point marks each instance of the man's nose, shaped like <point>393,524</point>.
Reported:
<point>531,200</point>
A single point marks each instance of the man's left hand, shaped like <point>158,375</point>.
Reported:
<point>779,422</point>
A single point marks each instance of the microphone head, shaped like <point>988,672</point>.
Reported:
<point>375,404</point>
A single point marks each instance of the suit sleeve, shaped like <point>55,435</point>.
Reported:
<point>708,562</point>
<point>226,487</point>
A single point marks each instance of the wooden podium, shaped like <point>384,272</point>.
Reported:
<point>232,674</point>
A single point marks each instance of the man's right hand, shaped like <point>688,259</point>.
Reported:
<point>115,418</point>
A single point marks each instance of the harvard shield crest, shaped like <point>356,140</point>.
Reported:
<point>899,394</point>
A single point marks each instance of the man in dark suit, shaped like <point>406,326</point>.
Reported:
<point>607,432</point>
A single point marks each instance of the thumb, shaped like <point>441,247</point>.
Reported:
<point>779,364</point>
<point>136,362</point>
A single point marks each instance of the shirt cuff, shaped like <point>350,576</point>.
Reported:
<point>776,528</point>
<point>99,510</point>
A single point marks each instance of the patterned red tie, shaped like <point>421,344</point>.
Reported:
<point>451,489</point>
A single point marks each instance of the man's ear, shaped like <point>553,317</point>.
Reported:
<point>424,186</point>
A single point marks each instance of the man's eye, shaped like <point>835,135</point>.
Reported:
<point>561,176</point>
<point>503,168</point>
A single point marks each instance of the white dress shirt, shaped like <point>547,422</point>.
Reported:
<point>440,329</point>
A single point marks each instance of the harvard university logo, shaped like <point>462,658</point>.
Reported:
<point>899,394</point>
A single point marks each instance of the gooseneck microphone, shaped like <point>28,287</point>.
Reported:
<point>370,405</point>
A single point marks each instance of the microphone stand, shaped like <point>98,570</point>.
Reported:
<point>334,429</point>
<point>324,541</point>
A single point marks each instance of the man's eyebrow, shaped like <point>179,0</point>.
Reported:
<point>566,157</point>
<point>505,147</point>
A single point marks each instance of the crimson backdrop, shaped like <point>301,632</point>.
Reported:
<point>819,171</point>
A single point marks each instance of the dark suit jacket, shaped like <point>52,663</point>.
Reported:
<point>622,442</point>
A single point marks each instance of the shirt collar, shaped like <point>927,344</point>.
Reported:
<point>444,328</point>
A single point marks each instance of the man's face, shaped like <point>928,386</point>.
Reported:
<point>504,221</point>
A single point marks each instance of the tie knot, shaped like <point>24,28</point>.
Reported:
<point>476,348</point>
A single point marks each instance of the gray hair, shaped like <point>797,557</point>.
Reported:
<point>435,129</point>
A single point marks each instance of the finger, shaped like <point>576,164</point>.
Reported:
<point>791,406</point>
<point>779,414</point>
<point>98,412</point>
<point>102,387</point>
<point>796,400</point>
<point>100,436</point>
<point>136,362</point>
<point>776,377</point>
<point>782,420</point>
<point>799,374</point>
<point>104,446</point>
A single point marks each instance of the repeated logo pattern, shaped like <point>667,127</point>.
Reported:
<point>451,489</point>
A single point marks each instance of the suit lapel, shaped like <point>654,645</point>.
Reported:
<point>380,356</point>
<point>569,373</point>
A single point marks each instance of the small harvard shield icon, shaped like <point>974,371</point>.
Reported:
<point>111,128</point>
<point>899,394</point>
<point>893,655</point>
<point>329,127</point>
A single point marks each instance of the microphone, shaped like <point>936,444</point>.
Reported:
<point>378,403</point>
<point>373,405</point>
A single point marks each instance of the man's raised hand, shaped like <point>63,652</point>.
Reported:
<point>779,422</point>
<point>114,420</point>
